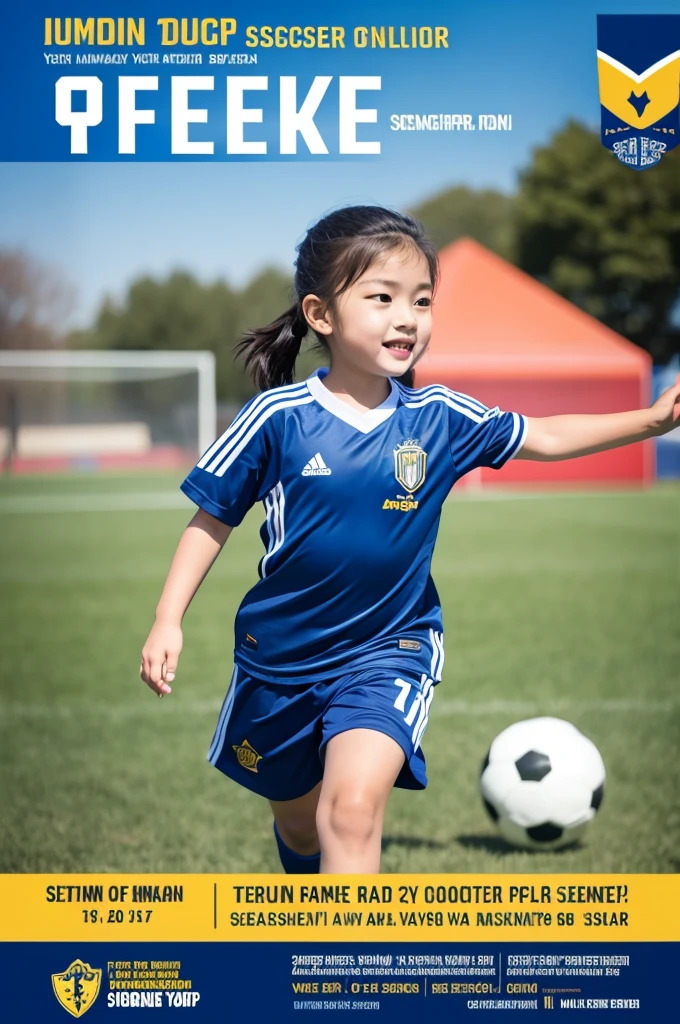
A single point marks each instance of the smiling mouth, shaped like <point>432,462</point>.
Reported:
<point>399,346</point>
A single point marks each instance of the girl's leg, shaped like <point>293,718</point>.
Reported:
<point>296,822</point>
<point>360,770</point>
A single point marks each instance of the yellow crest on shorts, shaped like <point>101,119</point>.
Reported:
<point>78,987</point>
<point>247,755</point>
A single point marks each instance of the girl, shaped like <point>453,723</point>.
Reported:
<point>339,646</point>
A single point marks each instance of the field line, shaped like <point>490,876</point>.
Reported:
<point>621,705</point>
<point>133,501</point>
<point>501,494</point>
<point>154,501</point>
<point>444,706</point>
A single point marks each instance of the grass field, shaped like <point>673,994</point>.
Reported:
<point>566,605</point>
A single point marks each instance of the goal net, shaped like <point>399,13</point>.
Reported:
<point>97,410</point>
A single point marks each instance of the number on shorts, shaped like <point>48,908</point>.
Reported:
<point>419,710</point>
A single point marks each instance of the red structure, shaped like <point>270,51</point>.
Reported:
<point>507,340</point>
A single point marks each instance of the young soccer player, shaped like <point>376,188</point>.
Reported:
<point>339,646</point>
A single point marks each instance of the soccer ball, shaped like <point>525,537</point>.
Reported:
<point>542,782</point>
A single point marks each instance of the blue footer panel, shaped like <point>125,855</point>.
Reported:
<point>253,982</point>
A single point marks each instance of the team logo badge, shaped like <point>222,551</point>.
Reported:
<point>638,62</point>
<point>247,756</point>
<point>78,987</point>
<point>410,464</point>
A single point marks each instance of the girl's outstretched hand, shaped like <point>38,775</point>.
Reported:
<point>160,655</point>
<point>667,408</point>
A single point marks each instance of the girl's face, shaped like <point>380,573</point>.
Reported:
<point>383,322</point>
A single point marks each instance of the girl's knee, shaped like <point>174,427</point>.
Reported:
<point>349,817</point>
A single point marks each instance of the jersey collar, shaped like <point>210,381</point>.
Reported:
<point>363,421</point>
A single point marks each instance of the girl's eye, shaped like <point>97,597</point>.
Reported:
<point>384,297</point>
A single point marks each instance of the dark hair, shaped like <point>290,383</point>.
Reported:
<point>334,253</point>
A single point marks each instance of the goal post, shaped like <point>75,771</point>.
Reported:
<point>61,401</point>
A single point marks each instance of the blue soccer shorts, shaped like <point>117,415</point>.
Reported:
<point>271,737</point>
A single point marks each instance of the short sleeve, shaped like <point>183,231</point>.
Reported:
<point>481,436</point>
<point>233,474</point>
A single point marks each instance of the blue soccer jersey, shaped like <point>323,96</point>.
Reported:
<point>352,504</point>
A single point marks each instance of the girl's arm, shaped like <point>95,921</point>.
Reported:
<point>199,546</point>
<point>566,437</point>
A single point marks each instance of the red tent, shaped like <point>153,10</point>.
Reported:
<point>507,340</point>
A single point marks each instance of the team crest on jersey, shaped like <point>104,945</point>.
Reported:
<point>247,756</point>
<point>78,987</point>
<point>410,462</point>
<point>410,465</point>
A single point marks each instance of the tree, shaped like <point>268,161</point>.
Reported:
<point>485,216</point>
<point>177,313</point>
<point>604,236</point>
<point>182,313</point>
<point>35,301</point>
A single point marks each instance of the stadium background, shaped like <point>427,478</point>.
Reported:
<point>557,600</point>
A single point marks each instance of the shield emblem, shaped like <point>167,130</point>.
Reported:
<point>638,63</point>
<point>78,987</point>
<point>409,466</point>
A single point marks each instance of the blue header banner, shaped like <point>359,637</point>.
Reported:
<point>263,84</point>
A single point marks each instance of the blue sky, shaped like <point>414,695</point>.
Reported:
<point>104,224</point>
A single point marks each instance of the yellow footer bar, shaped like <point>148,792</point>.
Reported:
<point>280,908</point>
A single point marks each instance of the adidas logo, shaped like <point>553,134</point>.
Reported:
<point>316,467</point>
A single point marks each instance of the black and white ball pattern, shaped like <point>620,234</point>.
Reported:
<point>542,782</point>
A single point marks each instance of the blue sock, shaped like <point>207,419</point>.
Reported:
<point>294,863</point>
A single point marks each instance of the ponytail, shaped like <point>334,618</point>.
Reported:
<point>270,352</point>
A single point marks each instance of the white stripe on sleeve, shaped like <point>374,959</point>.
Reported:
<point>234,452</point>
<point>236,430</point>
<point>447,401</point>
<point>518,424</point>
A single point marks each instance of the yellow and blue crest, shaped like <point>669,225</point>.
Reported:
<point>410,463</point>
<point>77,987</point>
<point>246,755</point>
<point>638,62</point>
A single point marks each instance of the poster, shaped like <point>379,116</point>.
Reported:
<point>158,168</point>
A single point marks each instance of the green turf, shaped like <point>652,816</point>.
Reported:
<point>566,605</point>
